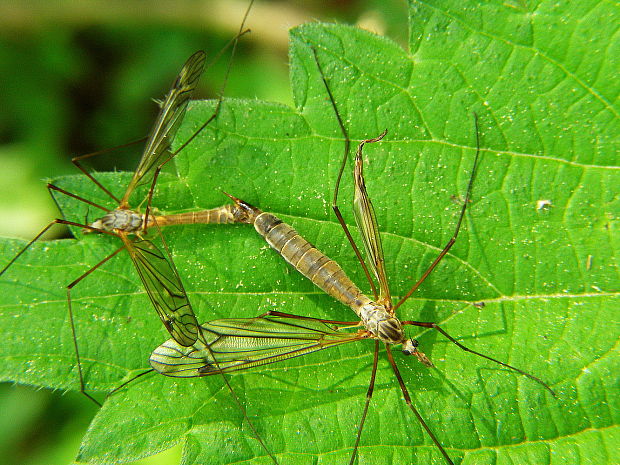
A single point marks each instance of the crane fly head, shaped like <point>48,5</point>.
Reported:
<point>410,347</point>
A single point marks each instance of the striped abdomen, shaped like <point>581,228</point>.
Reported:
<point>222,215</point>
<point>131,222</point>
<point>309,261</point>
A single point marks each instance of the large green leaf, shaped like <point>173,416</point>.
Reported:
<point>538,248</point>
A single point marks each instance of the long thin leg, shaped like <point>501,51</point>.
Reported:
<point>118,388</point>
<point>233,42</point>
<point>371,388</point>
<point>467,349</point>
<point>335,208</point>
<point>452,240</point>
<point>52,187</point>
<point>72,321</point>
<point>43,231</point>
<point>27,246</point>
<point>403,388</point>
<point>76,162</point>
<point>301,317</point>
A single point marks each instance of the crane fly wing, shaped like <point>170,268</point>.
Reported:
<point>165,290</point>
<point>366,221</point>
<point>244,343</point>
<point>168,120</point>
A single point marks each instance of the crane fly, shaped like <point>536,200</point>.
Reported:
<point>239,344</point>
<point>155,268</point>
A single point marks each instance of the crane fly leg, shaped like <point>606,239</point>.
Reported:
<point>300,317</point>
<point>435,326</point>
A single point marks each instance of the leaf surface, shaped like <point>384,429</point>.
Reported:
<point>538,248</point>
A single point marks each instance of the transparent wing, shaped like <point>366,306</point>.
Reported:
<point>168,121</point>
<point>165,290</point>
<point>366,221</point>
<point>241,344</point>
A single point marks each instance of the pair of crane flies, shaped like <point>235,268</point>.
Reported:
<point>231,345</point>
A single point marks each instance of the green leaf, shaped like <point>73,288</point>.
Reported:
<point>538,248</point>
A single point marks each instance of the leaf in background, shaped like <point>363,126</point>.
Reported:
<point>544,90</point>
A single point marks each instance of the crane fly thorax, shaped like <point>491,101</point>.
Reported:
<point>119,220</point>
<point>381,323</point>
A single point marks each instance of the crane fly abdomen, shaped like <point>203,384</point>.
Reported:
<point>225,214</point>
<point>131,222</point>
<point>308,260</point>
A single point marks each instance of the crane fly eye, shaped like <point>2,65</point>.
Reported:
<point>410,346</point>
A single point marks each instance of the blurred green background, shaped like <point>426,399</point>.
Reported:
<point>76,77</point>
